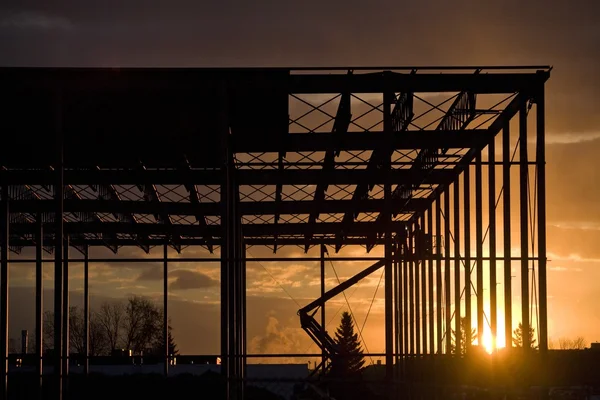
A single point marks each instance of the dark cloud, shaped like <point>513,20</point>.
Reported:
<point>186,279</point>
<point>151,274</point>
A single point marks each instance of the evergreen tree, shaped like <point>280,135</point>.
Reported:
<point>350,360</point>
<point>159,343</point>
<point>518,336</point>
<point>467,337</point>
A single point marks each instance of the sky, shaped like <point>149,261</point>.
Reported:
<point>316,33</point>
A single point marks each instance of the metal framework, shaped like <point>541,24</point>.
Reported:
<point>231,158</point>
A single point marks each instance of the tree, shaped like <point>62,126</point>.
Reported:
<point>142,324</point>
<point>518,336</point>
<point>578,343</point>
<point>350,360</point>
<point>159,344</point>
<point>110,320</point>
<point>468,335</point>
<point>97,340</point>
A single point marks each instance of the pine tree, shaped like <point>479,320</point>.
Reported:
<point>350,360</point>
<point>467,337</point>
<point>518,336</point>
<point>172,345</point>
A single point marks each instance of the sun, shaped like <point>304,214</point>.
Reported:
<point>487,341</point>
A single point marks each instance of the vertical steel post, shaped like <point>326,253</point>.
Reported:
<point>411,290</point>
<point>492,240</point>
<point>447,276</point>
<point>479,245</point>
<point>388,99</point>
<point>4,288</point>
<point>58,255</point>
<point>389,306</point>
<point>165,309</point>
<point>541,205</point>
<point>323,321</point>
<point>423,256</point>
<point>467,240</point>
<point>405,296</point>
<point>523,203</point>
<point>86,310</point>
<point>397,332</point>
<point>506,236</point>
<point>39,301</point>
<point>66,342</point>
<point>417,286</point>
<point>430,278</point>
<point>438,277</point>
<point>457,290</point>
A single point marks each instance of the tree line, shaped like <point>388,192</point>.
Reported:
<point>135,324</point>
<point>468,336</point>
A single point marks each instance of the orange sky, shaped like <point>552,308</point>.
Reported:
<point>466,32</point>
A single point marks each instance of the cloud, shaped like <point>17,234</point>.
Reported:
<point>278,339</point>
<point>571,137</point>
<point>151,274</point>
<point>35,20</point>
<point>186,279</point>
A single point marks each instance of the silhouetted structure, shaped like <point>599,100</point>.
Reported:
<point>227,158</point>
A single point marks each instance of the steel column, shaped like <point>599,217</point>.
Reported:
<point>323,322</point>
<point>166,310</point>
<point>389,306</point>
<point>422,257</point>
<point>411,291</point>
<point>467,240</point>
<point>65,318</point>
<point>541,210</point>
<point>492,240</point>
<point>417,286</point>
<point>523,204</point>
<point>507,235</point>
<point>58,268</point>
<point>405,296</point>
<point>447,275</point>
<point>5,219</point>
<point>457,290</point>
<point>86,310</point>
<point>438,277</point>
<point>430,278</point>
<point>479,246</point>
<point>39,302</point>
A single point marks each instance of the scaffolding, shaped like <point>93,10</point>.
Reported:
<point>227,159</point>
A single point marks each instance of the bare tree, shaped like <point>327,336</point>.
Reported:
<point>142,324</point>
<point>77,332</point>
<point>578,343</point>
<point>111,317</point>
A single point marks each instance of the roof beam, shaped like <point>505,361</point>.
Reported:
<point>130,207</point>
<point>250,230</point>
<point>343,117</point>
<point>151,195</point>
<point>401,116</point>
<point>212,177</point>
<point>298,241</point>
<point>195,201</point>
<point>109,193</point>
<point>357,141</point>
<point>199,79</point>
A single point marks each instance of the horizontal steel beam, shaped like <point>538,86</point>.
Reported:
<point>214,209</point>
<point>214,177</point>
<point>357,141</point>
<point>205,81</point>
<point>299,241</point>
<point>249,230</point>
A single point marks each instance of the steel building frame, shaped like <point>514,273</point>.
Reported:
<point>226,159</point>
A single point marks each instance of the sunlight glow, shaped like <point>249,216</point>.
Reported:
<point>487,341</point>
